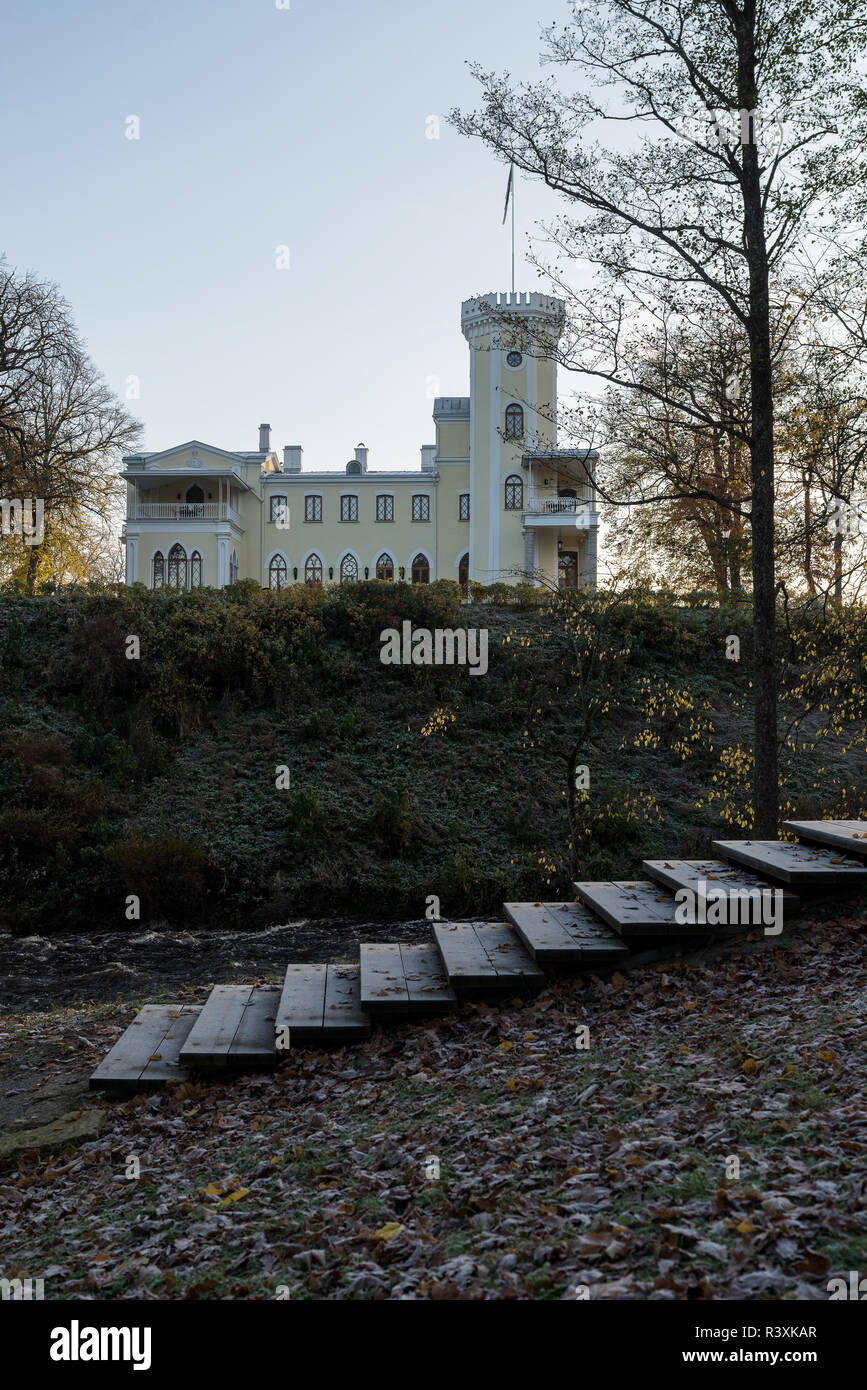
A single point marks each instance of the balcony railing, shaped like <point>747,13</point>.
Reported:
<point>557,506</point>
<point>182,511</point>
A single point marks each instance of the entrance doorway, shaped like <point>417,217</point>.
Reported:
<point>567,563</point>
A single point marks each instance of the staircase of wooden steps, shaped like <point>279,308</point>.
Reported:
<point>248,1026</point>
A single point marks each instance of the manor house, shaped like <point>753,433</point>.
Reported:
<point>494,499</point>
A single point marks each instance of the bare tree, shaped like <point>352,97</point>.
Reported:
<point>750,116</point>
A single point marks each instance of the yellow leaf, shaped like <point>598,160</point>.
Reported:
<point>234,1196</point>
<point>388,1231</point>
<point>751,1065</point>
<point>829,1056</point>
<point>507,1047</point>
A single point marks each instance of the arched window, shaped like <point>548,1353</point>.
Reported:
<point>385,567</point>
<point>313,570</point>
<point>195,570</point>
<point>353,466</point>
<point>514,422</point>
<point>464,569</point>
<point>233,568</point>
<point>277,573</point>
<point>514,493</point>
<point>159,570</point>
<point>348,569</point>
<point>177,567</point>
<point>420,570</point>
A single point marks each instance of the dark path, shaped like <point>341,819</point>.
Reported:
<point>73,967</point>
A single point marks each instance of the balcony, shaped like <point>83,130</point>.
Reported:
<point>182,511</point>
<point>574,512</point>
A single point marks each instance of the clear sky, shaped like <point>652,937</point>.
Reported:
<point>260,128</point>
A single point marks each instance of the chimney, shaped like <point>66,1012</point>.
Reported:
<point>361,456</point>
<point>292,458</point>
<point>264,439</point>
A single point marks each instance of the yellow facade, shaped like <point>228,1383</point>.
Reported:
<point>494,499</point>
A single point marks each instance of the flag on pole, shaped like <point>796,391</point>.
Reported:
<point>510,192</point>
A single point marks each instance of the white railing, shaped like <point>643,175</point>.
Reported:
<point>557,506</point>
<point>183,511</point>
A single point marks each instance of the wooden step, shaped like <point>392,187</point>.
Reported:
<point>147,1054</point>
<point>715,873</point>
<point>404,979</point>
<point>802,866</point>
<point>555,932</point>
<point>849,836</point>
<point>321,1003</point>
<point>485,955</point>
<point>638,908</point>
<point>235,1028</point>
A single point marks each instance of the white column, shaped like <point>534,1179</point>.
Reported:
<point>131,543</point>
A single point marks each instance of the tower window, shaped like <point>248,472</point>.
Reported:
<point>385,567</point>
<point>348,569</point>
<point>277,573</point>
<point>313,570</point>
<point>279,510</point>
<point>514,422</point>
<point>313,508</point>
<point>384,507</point>
<point>420,570</point>
<point>464,569</point>
<point>349,508</point>
<point>159,570</point>
<point>177,567</point>
<point>195,570</point>
<point>514,493</point>
<point>421,507</point>
<point>464,507</point>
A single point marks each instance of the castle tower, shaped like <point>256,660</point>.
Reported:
<point>513,402</point>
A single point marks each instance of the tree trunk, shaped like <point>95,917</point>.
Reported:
<point>766,780</point>
<point>808,538</point>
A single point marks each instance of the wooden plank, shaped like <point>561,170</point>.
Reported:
<point>214,1032</point>
<point>639,909</point>
<point>302,1002</point>
<point>555,932</point>
<point>383,979</point>
<point>428,989</point>
<point>343,1018</point>
<point>485,955</point>
<point>254,1042</point>
<point>848,836</point>
<point>715,873</point>
<point>803,866</point>
<point>158,1031</point>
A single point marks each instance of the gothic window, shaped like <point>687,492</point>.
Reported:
<point>177,567</point>
<point>385,507</point>
<point>514,422</point>
<point>421,507</point>
<point>279,509</point>
<point>464,507</point>
<point>385,567</point>
<point>313,570</point>
<point>277,573</point>
<point>159,570</point>
<point>195,570</point>
<point>514,493</point>
<point>464,570</point>
<point>348,569</point>
<point>349,508</point>
<point>313,508</point>
<point>420,570</point>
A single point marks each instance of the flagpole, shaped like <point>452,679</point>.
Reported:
<point>513,238</point>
